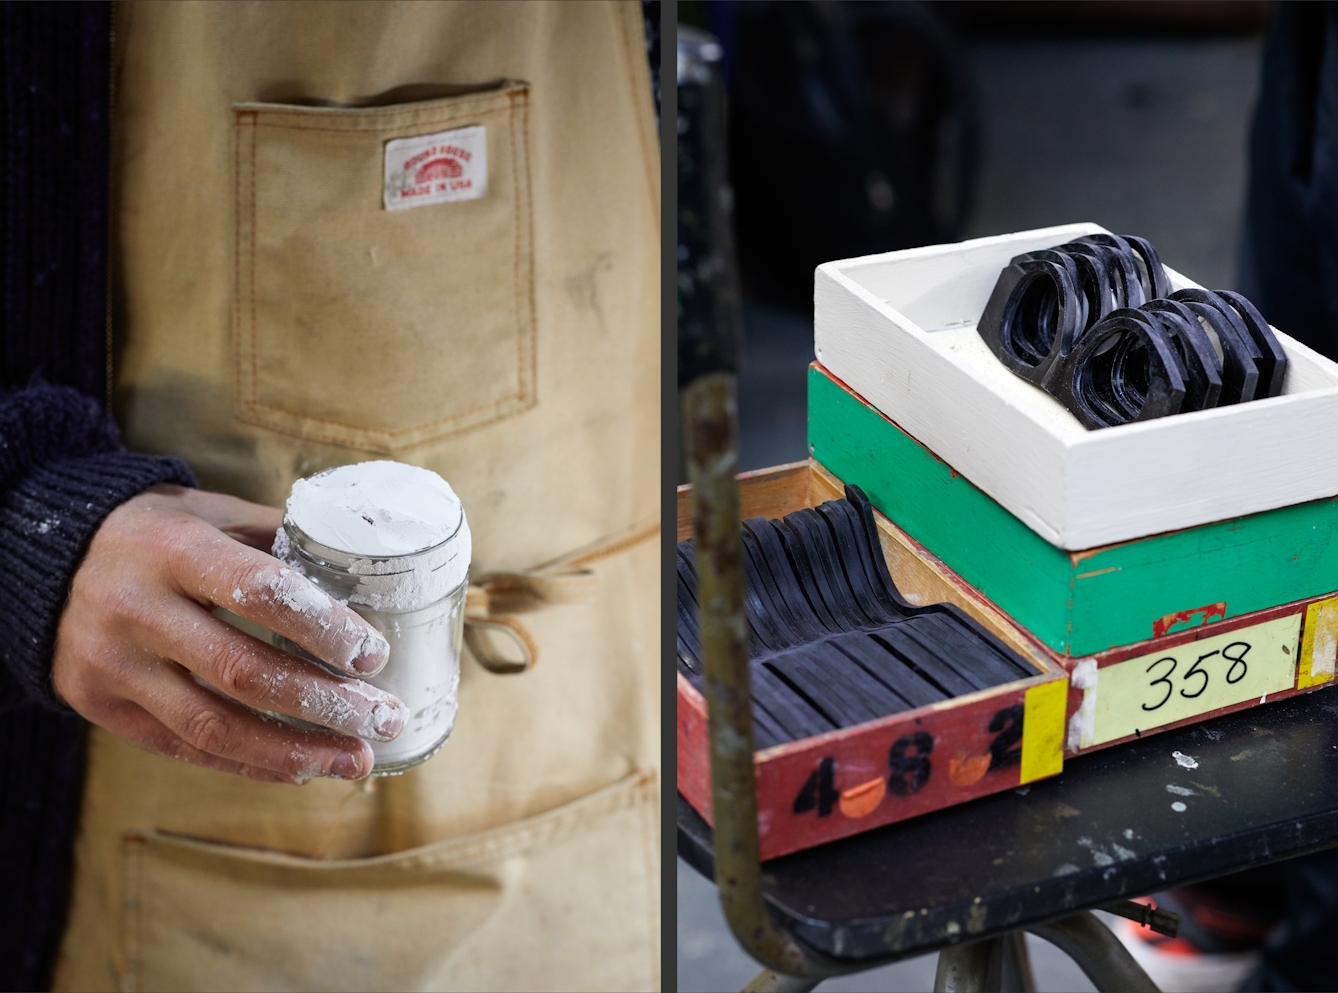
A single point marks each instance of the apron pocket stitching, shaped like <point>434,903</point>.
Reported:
<point>502,841</point>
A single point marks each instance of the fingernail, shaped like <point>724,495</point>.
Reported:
<point>346,766</point>
<point>388,718</point>
<point>372,653</point>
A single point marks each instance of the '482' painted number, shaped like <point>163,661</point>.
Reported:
<point>909,769</point>
<point>909,765</point>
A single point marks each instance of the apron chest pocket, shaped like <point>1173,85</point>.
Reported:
<point>384,281</point>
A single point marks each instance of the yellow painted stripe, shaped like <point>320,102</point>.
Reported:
<point>1319,644</point>
<point>1043,730</point>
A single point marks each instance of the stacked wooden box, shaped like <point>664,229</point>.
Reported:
<point>1164,571</point>
<point>1137,555</point>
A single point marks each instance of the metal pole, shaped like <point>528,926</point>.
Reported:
<point>708,357</point>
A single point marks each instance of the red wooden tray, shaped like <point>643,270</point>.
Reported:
<point>837,784</point>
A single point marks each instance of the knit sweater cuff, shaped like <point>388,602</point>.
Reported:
<point>47,519</point>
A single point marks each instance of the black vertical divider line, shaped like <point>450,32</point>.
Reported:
<point>42,56</point>
<point>17,196</point>
<point>8,342</point>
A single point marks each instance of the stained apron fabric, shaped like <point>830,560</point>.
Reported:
<point>273,319</point>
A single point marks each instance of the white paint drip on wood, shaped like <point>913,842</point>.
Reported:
<point>1078,489</point>
<point>1082,725</point>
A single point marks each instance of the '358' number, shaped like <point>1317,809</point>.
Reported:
<point>1196,677</point>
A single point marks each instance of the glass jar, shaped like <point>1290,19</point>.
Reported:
<point>417,601</point>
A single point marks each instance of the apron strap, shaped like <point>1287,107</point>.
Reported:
<point>495,598</point>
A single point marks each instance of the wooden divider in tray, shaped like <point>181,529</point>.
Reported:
<point>849,780</point>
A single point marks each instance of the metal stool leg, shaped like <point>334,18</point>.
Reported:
<point>1015,974</point>
<point>1003,963</point>
<point>964,968</point>
<point>1098,953</point>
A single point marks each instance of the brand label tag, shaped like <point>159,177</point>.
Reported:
<point>436,168</point>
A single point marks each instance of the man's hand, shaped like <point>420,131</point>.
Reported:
<point>137,639</point>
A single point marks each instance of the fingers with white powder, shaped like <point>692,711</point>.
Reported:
<point>159,704</point>
<point>207,729</point>
<point>137,724</point>
<point>263,677</point>
<point>260,588</point>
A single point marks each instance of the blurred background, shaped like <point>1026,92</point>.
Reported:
<point>862,127</point>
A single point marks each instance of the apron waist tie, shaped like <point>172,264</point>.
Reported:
<point>495,598</point>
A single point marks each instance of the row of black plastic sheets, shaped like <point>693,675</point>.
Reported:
<point>832,643</point>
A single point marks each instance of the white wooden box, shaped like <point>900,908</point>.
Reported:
<point>900,330</point>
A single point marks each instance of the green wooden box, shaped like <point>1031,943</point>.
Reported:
<point>1078,602</point>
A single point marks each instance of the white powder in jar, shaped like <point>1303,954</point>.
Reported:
<point>402,545</point>
<point>376,509</point>
<point>403,528</point>
<point>424,672</point>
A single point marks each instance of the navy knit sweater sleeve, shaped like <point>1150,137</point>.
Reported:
<point>62,470</point>
<point>62,467</point>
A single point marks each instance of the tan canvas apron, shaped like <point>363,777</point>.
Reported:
<point>273,319</point>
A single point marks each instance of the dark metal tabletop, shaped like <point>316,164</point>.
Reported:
<point>1244,789</point>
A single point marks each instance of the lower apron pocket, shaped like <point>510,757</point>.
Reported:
<point>566,900</point>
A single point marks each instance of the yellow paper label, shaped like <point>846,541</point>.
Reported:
<point>1043,730</point>
<point>1199,676</point>
<point>1319,644</point>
